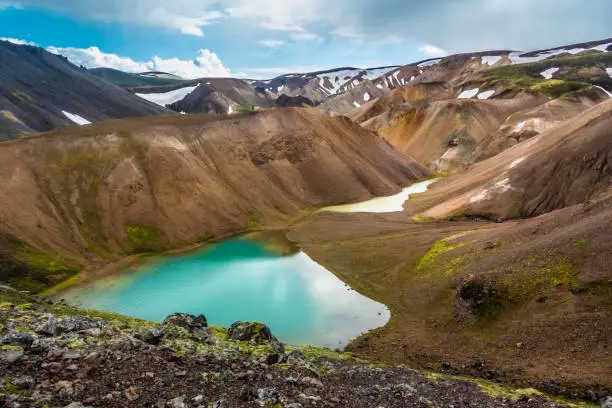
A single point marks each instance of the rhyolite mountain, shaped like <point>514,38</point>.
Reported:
<point>40,91</point>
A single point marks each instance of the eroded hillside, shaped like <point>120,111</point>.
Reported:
<point>101,192</point>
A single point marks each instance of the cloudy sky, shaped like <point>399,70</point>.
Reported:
<point>264,38</point>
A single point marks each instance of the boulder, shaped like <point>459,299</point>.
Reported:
<point>49,327</point>
<point>71,324</point>
<point>196,325</point>
<point>256,333</point>
<point>24,382</point>
<point>18,338</point>
<point>11,354</point>
<point>152,335</point>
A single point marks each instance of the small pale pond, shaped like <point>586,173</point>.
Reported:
<point>241,279</point>
<point>394,203</point>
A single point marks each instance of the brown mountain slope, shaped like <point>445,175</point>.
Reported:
<point>560,167</point>
<point>99,192</point>
<point>530,122</point>
<point>442,134</point>
<point>40,91</point>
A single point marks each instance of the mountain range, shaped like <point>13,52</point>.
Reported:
<point>499,270</point>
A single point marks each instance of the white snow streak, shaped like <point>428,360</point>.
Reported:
<point>607,92</point>
<point>468,94</point>
<point>490,60</point>
<point>168,98</point>
<point>429,63</point>
<point>516,162</point>
<point>548,74</point>
<point>366,96</point>
<point>356,104</point>
<point>517,58</point>
<point>79,120</point>
<point>486,94</point>
<point>379,86</point>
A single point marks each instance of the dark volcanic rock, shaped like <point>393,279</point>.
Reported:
<point>251,331</point>
<point>153,335</point>
<point>18,338</point>
<point>286,101</point>
<point>196,325</point>
<point>70,324</point>
<point>48,327</point>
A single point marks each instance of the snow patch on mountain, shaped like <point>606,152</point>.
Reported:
<point>349,78</point>
<point>429,63</point>
<point>486,94</point>
<point>609,71</point>
<point>548,74</point>
<point>490,60</point>
<point>168,98</point>
<point>519,58</point>
<point>468,94</point>
<point>357,104</point>
<point>366,96</point>
<point>79,120</point>
<point>603,89</point>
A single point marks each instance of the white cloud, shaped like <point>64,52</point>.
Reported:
<point>358,36</point>
<point>92,57</point>
<point>206,64</point>
<point>306,36</point>
<point>17,41</point>
<point>432,51</point>
<point>272,43</point>
<point>187,16</point>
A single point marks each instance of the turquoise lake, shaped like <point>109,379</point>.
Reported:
<point>239,279</point>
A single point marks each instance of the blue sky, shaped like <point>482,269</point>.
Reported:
<point>264,38</point>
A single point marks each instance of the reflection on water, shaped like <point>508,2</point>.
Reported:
<point>302,302</point>
<point>392,203</point>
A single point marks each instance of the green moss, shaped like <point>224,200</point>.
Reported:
<point>219,333</point>
<point>34,270</point>
<point>310,209</point>
<point>252,221</point>
<point>142,238</point>
<point>314,353</point>
<point>60,286</point>
<point>20,96</point>
<point>41,261</point>
<point>527,76</point>
<point>541,275</point>
<point>25,306</point>
<point>500,391</point>
<point>439,248</point>
<point>554,88</point>
<point>582,244</point>
<point>9,388</point>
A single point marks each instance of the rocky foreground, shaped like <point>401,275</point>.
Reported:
<point>54,355</point>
